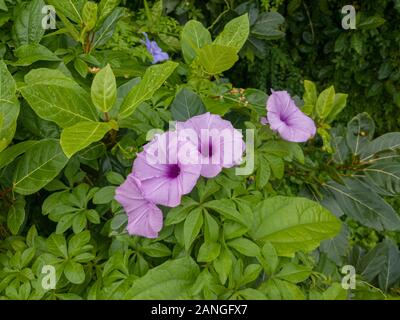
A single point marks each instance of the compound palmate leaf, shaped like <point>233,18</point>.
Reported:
<point>55,97</point>
<point>171,280</point>
<point>293,224</point>
<point>38,166</point>
<point>81,135</point>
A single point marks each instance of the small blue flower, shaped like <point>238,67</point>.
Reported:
<point>156,52</point>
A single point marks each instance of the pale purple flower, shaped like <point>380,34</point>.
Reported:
<point>167,169</point>
<point>144,218</point>
<point>219,143</point>
<point>287,119</point>
<point>156,52</point>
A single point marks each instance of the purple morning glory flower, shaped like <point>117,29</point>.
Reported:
<point>287,119</point>
<point>156,52</point>
<point>219,143</point>
<point>144,218</point>
<point>167,169</point>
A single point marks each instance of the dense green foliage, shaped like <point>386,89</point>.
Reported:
<point>77,103</point>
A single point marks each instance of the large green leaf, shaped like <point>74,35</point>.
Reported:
<point>357,201</point>
<point>235,33</point>
<point>28,23</point>
<point>360,131</point>
<point>55,97</point>
<point>192,227</point>
<point>106,31</point>
<point>293,224</point>
<point>9,107</point>
<point>386,176</point>
<point>338,105</point>
<point>153,79</point>
<point>38,166</point>
<point>33,52</point>
<point>194,36</point>
<point>104,89</point>
<point>186,105</point>
<point>325,102</point>
<point>72,9</point>
<point>388,141</point>
<point>8,155</point>
<point>82,134</point>
<point>170,280</point>
<point>16,215</point>
<point>267,26</point>
<point>216,58</point>
<point>383,263</point>
<point>106,7</point>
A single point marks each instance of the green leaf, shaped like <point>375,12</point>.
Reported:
<point>252,294</point>
<point>267,26</point>
<point>104,89</point>
<point>211,228</point>
<point>293,224</point>
<point>27,26</point>
<point>70,8</point>
<point>371,23</point>
<point>89,15</point>
<point>38,166</point>
<point>357,43</point>
<point>16,216</point>
<point>269,258</point>
<point>336,249</point>
<point>223,265</point>
<point>386,176</point>
<point>390,272</point>
<point>194,36</point>
<point>170,280</point>
<point>57,245</point>
<point>216,58</point>
<point>157,250</point>
<point>364,206</point>
<point>338,105</point>
<point>106,31</point>
<point>9,107</point>
<point>3,5</point>
<point>178,214</point>
<point>186,105</point>
<point>81,67</point>
<point>263,172</point>
<point>104,195</point>
<point>325,102</point>
<point>277,165</point>
<point>388,141</point>
<point>245,247</point>
<point>77,242</point>
<point>57,98</point>
<point>153,79</point>
<point>74,272</point>
<point>294,273</point>
<point>31,53</point>
<point>192,226</point>
<point>310,93</point>
<point>360,130</point>
<point>227,209</point>
<point>83,134</point>
<point>235,33</point>
<point>208,251</point>
<point>277,289</point>
<point>106,7</point>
